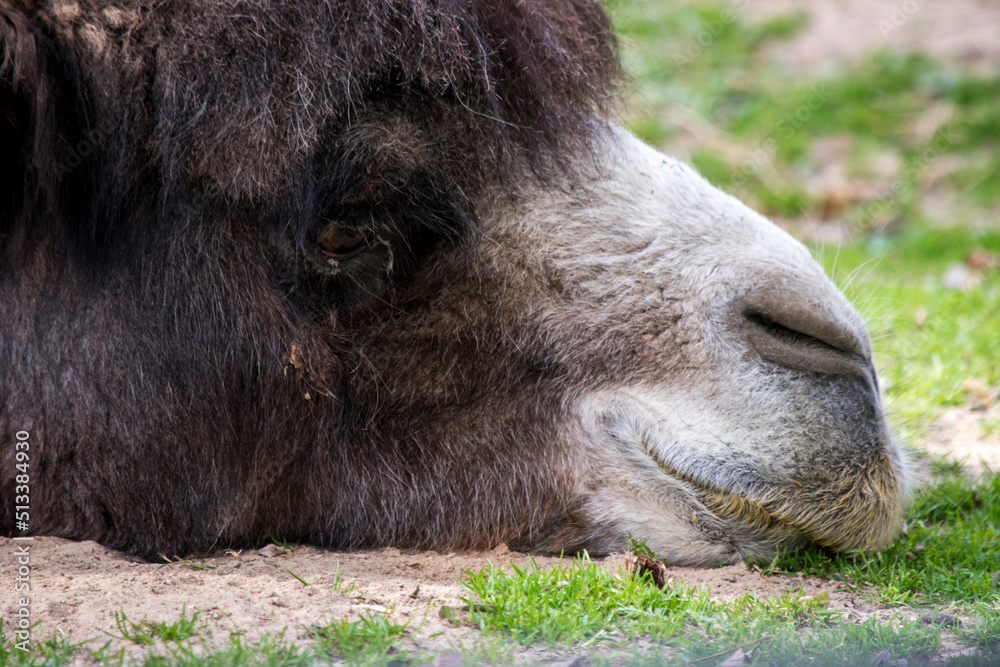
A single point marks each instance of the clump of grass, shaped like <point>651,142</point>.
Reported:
<point>48,651</point>
<point>575,602</point>
<point>281,542</point>
<point>339,585</point>
<point>180,630</point>
<point>984,631</point>
<point>369,640</point>
<point>137,633</point>
<point>639,547</point>
<point>268,650</point>
<point>487,650</point>
<point>146,632</point>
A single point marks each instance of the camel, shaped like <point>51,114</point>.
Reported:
<point>358,274</point>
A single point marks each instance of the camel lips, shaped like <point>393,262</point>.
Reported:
<point>726,504</point>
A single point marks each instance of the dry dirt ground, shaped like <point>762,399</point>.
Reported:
<point>77,587</point>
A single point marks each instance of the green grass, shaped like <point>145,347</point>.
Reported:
<point>49,651</point>
<point>339,585</point>
<point>371,640</point>
<point>577,602</point>
<point>923,365</point>
<point>270,651</point>
<point>699,54</point>
<point>582,604</point>
<point>946,557</point>
<point>147,632</point>
<point>947,554</point>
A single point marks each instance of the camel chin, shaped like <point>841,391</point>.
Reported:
<point>763,428</point>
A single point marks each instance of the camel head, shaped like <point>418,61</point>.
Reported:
<point>725,399</point>
<point>365,273</point>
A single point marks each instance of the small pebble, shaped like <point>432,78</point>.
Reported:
<point>940,618</point>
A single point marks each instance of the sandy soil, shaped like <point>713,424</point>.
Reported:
<point>78,586</point>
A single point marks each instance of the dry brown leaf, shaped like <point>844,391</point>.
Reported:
<point>638,565</point>
<point>981,259</point>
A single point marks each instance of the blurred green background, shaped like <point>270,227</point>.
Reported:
<point>873,139</point>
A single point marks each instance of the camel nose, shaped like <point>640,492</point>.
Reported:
<point>801,330</point>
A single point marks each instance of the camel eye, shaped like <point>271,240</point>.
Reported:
<point>341,241</point>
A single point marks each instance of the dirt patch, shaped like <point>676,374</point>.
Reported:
<point>959,434</point>
<point>78,586</point>
<point>843,30</point>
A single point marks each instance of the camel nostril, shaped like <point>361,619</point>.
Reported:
<point>800,334</point>
<point>788,334</point>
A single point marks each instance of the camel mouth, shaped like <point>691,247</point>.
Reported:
<point>846,490</point>
<point>861,511</point>
<point>727,505</point>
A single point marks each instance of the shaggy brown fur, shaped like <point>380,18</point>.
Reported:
<point>165,171</point>
<point>245,93</point>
